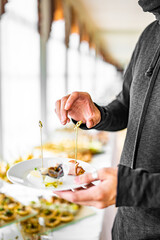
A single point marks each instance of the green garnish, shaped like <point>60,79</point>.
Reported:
<point>51,220</point>
<point>35,168</point>
<point>47,212</point>
<point>6,200</point>
<point>8,213</point>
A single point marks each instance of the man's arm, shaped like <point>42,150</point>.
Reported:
<point>79,106</point>
<point>114,116</point>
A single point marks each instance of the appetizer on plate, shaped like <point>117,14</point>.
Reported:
<point>75,169</point>
<point>51,177</point>
<point>53,172</point>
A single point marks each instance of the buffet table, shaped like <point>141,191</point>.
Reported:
<point>86,229</point>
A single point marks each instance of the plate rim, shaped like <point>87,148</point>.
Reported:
<point>46,189</point>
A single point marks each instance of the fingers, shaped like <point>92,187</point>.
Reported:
<point>101,195</point>
<point>79,106</point>
<point>71,99</point>
<point>93,204</point>
<point>60,110</point>
<point>85,178</point>
<point>90,123</point>
<point>101,174</point>
<point>64,113</point>
<point>87,197</point>
<point>72,197</point>
<point>78,196</point>
<point>88,186</point>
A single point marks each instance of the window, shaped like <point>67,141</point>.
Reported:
<point>73,63</point>
<point>56,52</point>
<point>20,77</point>
<point>87,67</point>
<point>20,71</point>
<point>108,82</point>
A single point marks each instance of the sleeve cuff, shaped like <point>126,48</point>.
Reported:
<point>124,184</point>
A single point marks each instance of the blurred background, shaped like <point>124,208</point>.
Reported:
<point>51,48</point>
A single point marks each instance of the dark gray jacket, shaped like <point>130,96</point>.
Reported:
<point>137,107</point>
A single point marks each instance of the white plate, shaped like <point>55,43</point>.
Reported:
<point>20,173</point>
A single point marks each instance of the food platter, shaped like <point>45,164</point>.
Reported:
<point>12,211</point>
<point>20,173</point>
<point>47,211</point>
<point>40,216</point>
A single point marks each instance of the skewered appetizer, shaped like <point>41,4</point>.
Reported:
<point>75,169</point>
<point>51,176</point>
<point>54,172</point>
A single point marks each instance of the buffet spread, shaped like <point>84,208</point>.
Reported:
<point>46,215</point>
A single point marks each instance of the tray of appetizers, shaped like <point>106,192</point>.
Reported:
<point>42,216</point>
<point>53,214</point>
<point>53,173</point>
<point>12,211</point>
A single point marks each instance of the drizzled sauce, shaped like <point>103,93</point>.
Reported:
<point>41,126</point>
<point>78,124</point>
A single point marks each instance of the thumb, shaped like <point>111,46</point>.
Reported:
<point>87,177</point>
<point>100,174</point>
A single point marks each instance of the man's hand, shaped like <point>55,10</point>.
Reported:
<point>78,106</point>
<point>99,196</point>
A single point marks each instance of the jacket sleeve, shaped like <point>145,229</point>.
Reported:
<point>138,188</point>
<point>114,116</point>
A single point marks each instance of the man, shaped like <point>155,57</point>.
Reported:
<point>136,191</point>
